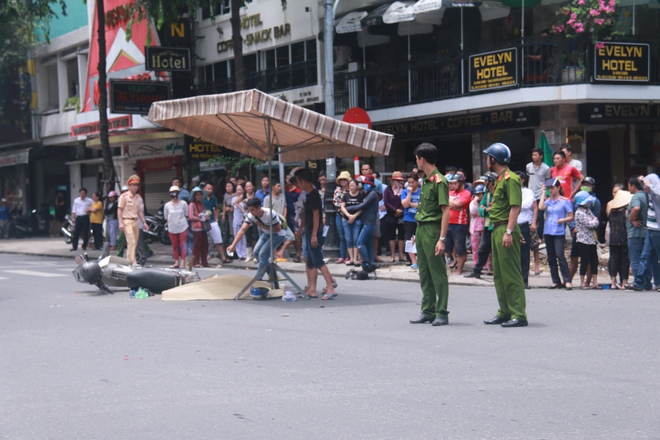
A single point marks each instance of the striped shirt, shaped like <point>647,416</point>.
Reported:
<point>651,220</point>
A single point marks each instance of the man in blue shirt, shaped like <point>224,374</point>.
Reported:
<point>4,219</point>
<point>410,201</point>
<point>264,191</point>
<point>184,194</point>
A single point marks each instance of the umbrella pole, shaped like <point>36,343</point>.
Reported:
<point>462,56</point>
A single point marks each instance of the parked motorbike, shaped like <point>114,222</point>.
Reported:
<point>111,271</point>
<point>20,226</point>
<point>157,227</point>
<point>66,231</point>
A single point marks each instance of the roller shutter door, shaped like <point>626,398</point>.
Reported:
<point>156,189</point>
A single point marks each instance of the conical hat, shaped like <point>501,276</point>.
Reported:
<point>621,199</point>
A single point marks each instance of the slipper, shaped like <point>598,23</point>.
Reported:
<point>615,287</point>
<point>313,296</point>
<point>597,287</point>
<point>403,260</point>
<point>348,263</point>
<point>296,259</point>
<point>408,263</point>
<point>585,287</point>
<point>555,286</point>
<point>174,266</point>
<point>227,261</point>
<point>538,274</point>
<point>329,296</point>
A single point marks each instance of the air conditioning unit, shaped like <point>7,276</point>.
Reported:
<point>341,55</point>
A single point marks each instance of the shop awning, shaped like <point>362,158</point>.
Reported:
<point>375,17</point>
<point>350,22</point>
<point>399,12</point>
<point>15,157</point>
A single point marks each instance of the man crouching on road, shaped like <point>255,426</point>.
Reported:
<point>432,223</point>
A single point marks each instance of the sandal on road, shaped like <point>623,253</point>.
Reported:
<point>597,287</point>
<point>329,296</point>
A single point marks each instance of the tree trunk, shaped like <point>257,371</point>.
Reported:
<point>109,176</point>
<point>237,44</point>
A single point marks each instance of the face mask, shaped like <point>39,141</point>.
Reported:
<point>367,187</point>
<point>586,188</point>
<point>174,195</point>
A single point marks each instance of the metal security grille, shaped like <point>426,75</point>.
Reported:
<point>156,189</point>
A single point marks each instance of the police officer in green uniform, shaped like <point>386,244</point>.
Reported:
<point>507,275</point>
<point>432,223</point>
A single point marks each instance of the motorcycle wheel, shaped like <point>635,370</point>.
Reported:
<point>67,238</point>
<point>16,232</point>
<point>164,237</point>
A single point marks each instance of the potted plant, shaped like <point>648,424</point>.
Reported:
<point>73,103</point>
<point>593,18</point>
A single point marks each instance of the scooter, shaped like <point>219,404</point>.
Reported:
<point>66,231</point>
<point>363,274</point>
<point>20,226</point>
<point>157,227</point>
<point>111,271</point>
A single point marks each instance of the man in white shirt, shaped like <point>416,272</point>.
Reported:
<point>80,218</point>
<point>526,222</point>
<point>568,151</point>
<point>538,172</point>
<point>276,200</point>
<point>263,218</point>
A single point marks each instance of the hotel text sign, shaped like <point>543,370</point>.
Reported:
<point>622,62</point>
<point>494,70</point>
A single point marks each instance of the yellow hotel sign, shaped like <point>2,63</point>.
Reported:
<point>494,70</point>
<point>622,62</point>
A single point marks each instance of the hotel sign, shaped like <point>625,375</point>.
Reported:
<point>622,62</point>
<point>169,59</point>
<point>493,70</point>
<point>199,149</point>
<point>136,97</point>
<point>612,113</point>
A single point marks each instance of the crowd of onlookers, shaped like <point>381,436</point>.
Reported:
<point>558,202</point>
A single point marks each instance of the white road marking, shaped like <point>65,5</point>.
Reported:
<point>3,278</point>
<point>34,273</point>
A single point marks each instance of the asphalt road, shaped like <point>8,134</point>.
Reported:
<point>78,365</point>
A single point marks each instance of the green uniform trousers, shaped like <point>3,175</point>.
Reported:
<point>432,271</point>
<point>507,275</point>
<point>121,245</point>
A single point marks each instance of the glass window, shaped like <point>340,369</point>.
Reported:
<point>220,71</point>
<point>269,60</point>
<point>297,53</point>
<point>220,7</point>
<point>53,87</point>
<point>72,77</point>
<point>311,50</point>
<point>208,73</point>
<point>282,56</point>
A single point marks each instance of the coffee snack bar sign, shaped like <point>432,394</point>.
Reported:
<point>622,62</point>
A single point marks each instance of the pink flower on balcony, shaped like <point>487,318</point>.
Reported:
<point>599,45</point>
<point>594,13</point>
<point>581,2</point>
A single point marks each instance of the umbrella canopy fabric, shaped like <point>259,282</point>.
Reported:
<point>255,123</point>
<point>398,12</point>
<point>350,22</point>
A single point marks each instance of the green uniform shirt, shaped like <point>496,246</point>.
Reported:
<point>434,195</point>
<point>508,193</point>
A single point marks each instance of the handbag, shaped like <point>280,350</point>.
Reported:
<point>206,226</point>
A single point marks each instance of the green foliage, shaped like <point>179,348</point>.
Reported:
<point>235,164</point>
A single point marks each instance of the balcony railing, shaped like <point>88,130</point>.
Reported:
<point>539,62</point>
<point>273,80</point>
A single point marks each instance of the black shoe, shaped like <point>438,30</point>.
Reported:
<point>440,320</point>
<point>73,250</point>
<point>496,320</point>
<point>528,287</point>
<point>472,275</point>
<point>515,323</point>
<point>637,288</point>
<point>423,319</point>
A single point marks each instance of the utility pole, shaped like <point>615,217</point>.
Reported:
<point>331,247</point>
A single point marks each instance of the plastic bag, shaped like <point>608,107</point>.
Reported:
<point>288,296</point>
<point>141,294</point>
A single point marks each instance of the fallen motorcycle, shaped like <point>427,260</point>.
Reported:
<point>114,271</point>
